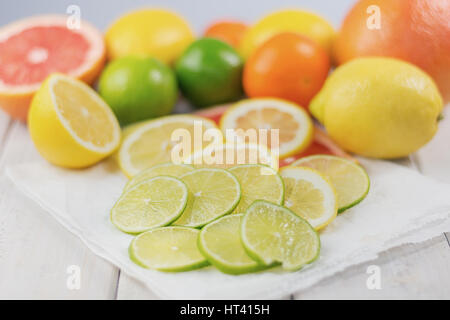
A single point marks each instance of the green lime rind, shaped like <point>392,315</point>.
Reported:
<point>197,259</point>
<point>191,216</point>
<point>120,209</point>
<point>360,194</point>
<point>268,196</point>
<point>270,238</point>
<point>164,169</point>
<point>229,237</point>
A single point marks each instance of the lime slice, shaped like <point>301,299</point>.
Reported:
<point>349,179</point>
<point>258,182</point>
<point>213,193</point>
<point>152,203</point>
<point>220,242</point>
<point>310,195</point>
<point>167,249</point>
<point>271,233</point>
<point>164,169</point>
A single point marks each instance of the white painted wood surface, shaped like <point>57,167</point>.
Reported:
<point>35,251</point>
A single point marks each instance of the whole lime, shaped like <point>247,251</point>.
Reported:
<point>138,88</point>
<point>210,72</point>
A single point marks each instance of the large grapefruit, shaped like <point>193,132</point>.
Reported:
<point>417,31</point>
<point>32,48</point>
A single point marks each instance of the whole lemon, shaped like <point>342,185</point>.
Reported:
<point>149,32</point>
<point>379,107</point>
<point>306,23</point>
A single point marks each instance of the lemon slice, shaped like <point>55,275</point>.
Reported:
<point>258,182</point>
<point>310,195</point>
<point>152,203</point>
<point>70,125</point>
<point>274,234</point>
<point>220,242</point>
<point>213,193</point>
<point>151,143</point>
<point>229,155</point>
<point>164,169</point>
<point>171,249</point>
<point>349,179</point>
<point>293,122</point>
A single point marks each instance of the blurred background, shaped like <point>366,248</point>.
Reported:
<point>199,13</point>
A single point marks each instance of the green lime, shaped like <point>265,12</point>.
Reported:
<point>258,182</point>
<point>167,249</point>
<point>271,233</point>
<point>152,203</point>
<point>220,242</point>
<point>164,169</point>
<point>350,180</point>
<point>210,72</point>
<point>212,193</point>
<point>138,88</point>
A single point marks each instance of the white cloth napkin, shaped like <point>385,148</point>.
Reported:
<point>402,206</point>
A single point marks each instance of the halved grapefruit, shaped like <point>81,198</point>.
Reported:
<point>32,48</point>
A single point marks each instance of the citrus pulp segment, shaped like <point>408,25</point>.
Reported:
<point>349,179</point>
<point>310,195</point>
<point>212,193</point>
<point>258,182</point>
<point>271,233</point>
<point>220,242</point>
<point>150,204</point>
<point>151,142</point>
<point>295,127</point>
<point>170,249</point>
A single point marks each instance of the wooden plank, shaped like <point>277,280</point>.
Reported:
<point>35,251</point>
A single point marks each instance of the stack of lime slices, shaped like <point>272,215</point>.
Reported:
<point>243,219</point>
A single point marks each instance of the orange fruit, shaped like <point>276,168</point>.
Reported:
<point>228,31</point>
<point>288,66</point>
<point>417,31</point>
<point>32,48</point>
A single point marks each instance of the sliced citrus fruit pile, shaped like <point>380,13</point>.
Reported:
<point>310,195</point>
<point>152,203</point>
<point>274,222</point>
<point>168,249</point>
<point>258,182</point>
<point>293,122</point>
<point>164,169</point>
<point>70,125</point>
<point>31,49</point>
<point>349,179</point>
<point>274,234</point>
<point>220,242</point>
<point>151,142</point>
<point>213,193</point>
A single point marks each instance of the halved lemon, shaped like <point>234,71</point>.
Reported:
<point>151,143</point>
<point>230,155</point>
<point>164,169</point>
<point>293,122</point>
<point>349,179</point>
<point>70,125</point>
<point>310,195</point>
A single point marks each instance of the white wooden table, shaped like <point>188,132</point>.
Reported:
<point>35,251</point>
